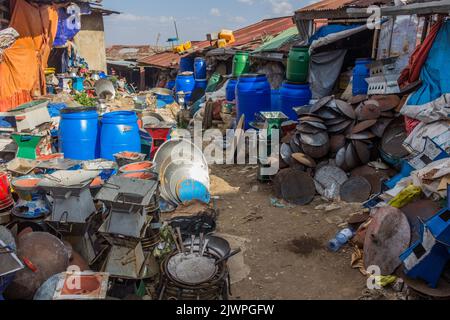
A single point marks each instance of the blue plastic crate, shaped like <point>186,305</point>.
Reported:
<point>426,258</point>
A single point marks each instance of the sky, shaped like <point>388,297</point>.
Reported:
<point>142,20</point>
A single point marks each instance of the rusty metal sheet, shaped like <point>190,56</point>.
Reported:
<point>315,124</point>
<point>327,114</point>
<point>338,120</point>
<point>381,125</point>
<point>393,138</point>
<point>341,127</point>
<point>361,136</point>
<point>362,150</point>
<point>442,291</point>
<point>346,109</point>
<point>364,125</point>
<point>298,187</point>
<point>328,180</point>
<point>306,128</point>
<point>387,102</point>
<point>340,158</point>
<point>311,119</point>
<point>367,112</point>
<point>304,159</point>
<point>357,99</point>
<point>387,114</point>
<point>420,209</point>
<point>355,190</point>
<point>322,102</point>
<point>316,152</point>
<point>47,253</point>
<point>316,140</point>
<point>351,159</point>
<point>337,142</point>
<point>388,236</point>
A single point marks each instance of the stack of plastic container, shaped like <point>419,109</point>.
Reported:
<point>295,91</point>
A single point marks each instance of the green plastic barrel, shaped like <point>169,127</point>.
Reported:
<point>213,82</point>
<point>241,63</point>
<point>298,64</point>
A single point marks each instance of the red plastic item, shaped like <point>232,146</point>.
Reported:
<point>6,199</point>
<point>159,136</point>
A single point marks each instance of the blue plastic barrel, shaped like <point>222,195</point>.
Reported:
<point>78,133</point>
<point>231,89</point>
<point>200,68</point>
<point>185,82</point>
<point>360,73</point>
<point>120,132</point>
<point>253,94</point>
<point>163,99</point>
<point>187,64</point>
<point>276,100</point>
<point>201,83</point>
<point>294,95</point>
<point>170,84</point>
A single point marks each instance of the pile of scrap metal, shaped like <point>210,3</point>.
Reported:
<point>339,143</point>
<point>88,230</point>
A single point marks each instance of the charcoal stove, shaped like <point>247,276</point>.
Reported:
<point>216,287</point>
<point>72,200</point>
<point>127,201</point>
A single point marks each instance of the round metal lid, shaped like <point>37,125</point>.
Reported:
<point>387,237</point>
<point>355,190</point>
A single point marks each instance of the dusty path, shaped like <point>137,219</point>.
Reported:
<point>286,251</point>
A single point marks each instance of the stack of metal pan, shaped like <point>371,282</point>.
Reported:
<point>183,172</point>
<point>352,126</point>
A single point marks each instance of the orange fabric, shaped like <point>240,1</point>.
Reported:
<point>22,70</point>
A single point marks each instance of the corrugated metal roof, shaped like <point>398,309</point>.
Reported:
<point>169,59</point>
<point>125,52</point>
<point>279,41</point>
<point>247,38</point>
<point>340,4</point>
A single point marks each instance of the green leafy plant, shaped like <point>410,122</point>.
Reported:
<point>85,100</point>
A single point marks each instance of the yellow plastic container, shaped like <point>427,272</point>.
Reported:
<point>227,35</point>
<point>221,43</point>
<point>187,45</point>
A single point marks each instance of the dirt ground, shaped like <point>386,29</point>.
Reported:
<point>285,248</point>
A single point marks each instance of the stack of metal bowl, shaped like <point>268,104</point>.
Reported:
<point>183,172</point>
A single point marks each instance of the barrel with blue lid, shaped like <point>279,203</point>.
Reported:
<point>231,89</point>
<point>185,82</point>
<point>187,64</point>
<point>200,68</point>
<point>120,132</point>
<point>170,84</point>
<point>253,95</point>
<point>78,133</point>
<point>360,73</point>
<point>294,95</point>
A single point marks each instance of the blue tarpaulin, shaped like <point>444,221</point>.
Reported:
<point>330,29</point>
<point>435,74</point>
<point>69,22</point>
